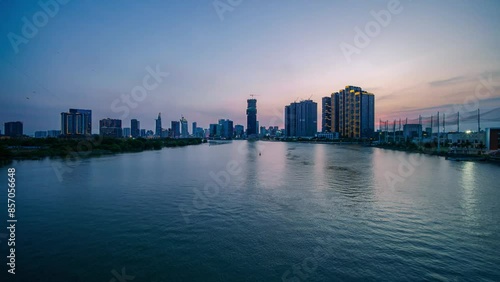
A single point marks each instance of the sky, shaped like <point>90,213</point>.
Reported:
<point>417,57</point>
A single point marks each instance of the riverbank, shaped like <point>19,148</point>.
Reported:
<point>37,148</point>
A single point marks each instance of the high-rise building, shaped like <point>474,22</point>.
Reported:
<point>135,126</point>
<point>226,128</point>
<point>176,132</point>
<point>110,127</point>
<point>239,130</point>
<point>143,132</point>
<point>76,122</point>
<point>252,117</point>
<point>13,129</point>
<point>214,130</point>
<point>301,119</point>
<point>326,114</point>
<point>353,112</point>
<point>158,126</point>
<point>184,128</point>
<point>194,128</point>
<point>127,132</point>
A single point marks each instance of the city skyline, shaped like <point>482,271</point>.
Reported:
<point>94,60</point>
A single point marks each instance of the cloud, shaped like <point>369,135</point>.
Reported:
<point>451,80</point>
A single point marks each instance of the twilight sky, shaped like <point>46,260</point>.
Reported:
<point>430,56</point>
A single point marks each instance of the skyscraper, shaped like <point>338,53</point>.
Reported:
<point>135,126</point>
<point>13,129</point>
<point>326,114</point>
<point>110,127</point>
<point>76,122</point>
<point>301,119</point>
<point>239,130</point>
<point>176,129</point>
<point>226,128</point>
<point>353,112</point>
<point>194,128</point>
<point>251,117</point>
<point>127,132</point>
<point>158,126</point>
<point>184,128</point>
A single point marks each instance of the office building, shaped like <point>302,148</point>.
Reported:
<point>214,130</point>
<point>239,131</point>
<point>353,112</point>
<point>135,126</point>
<point>326,114</point>
<point>127,132</point>
<point>76,122</point>
<point>53,133</point>
<point>411,131</point>
<point>40,134</point>
<point>158,126</point>
<point>301,119</point>
<point>13,129</point>
<point>251,117</point>
<point>110,128</point>
<point>184,128</point>
<point>194,126</point>
<point>226,128</point>
<point>143,132</point>
<point>176,131</point>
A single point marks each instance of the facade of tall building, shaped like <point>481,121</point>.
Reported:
<point>301,119</point>
<point>110,128</point>
<point>158,126</point>
<point>13,129</point>
<point>176,131</point>
<point>195,125</point>
<point>135,126</point>
<point>76,122</point>
<point>214,130</point>
<point>239,130</point>
<point>184,128</point>
<point>226,128</point>
<point>353,113</point>
<point>127,132</point>
<point>326,114</point>
<point>143,132</point>
<point>252,117</point>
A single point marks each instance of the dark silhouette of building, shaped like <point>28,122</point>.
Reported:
<point>110,127</point>
<point>301,119</point>
<point>13,129</point>
<point>135,126</point>
<point>326,114</point>
<point>158,126</point>
<point>76,122</point>
<point>251,117</point>
<point>176,129</point>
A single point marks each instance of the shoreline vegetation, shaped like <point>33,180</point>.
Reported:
<point>39,148</point>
